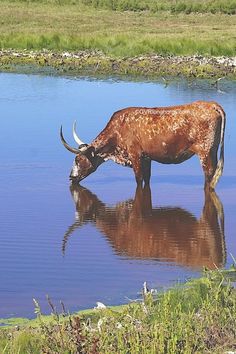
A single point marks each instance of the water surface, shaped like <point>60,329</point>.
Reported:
<point>101,241</point>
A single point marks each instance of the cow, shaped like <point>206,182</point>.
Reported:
<point>135,136</point>
<point>136,229</point>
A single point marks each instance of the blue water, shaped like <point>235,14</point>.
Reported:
<point>104,249</point>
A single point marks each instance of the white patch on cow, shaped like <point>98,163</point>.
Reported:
<point>120,157</point>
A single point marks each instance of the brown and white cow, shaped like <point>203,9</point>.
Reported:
<point>135,136</point>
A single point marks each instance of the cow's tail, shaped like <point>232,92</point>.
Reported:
<point>220,164</point>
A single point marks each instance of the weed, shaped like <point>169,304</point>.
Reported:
<point>197,317</point>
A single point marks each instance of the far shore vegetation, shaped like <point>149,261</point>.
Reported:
<point>121,28</point>
<point>107,34</point>
<point>196,317</point>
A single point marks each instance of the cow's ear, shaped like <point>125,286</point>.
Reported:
<point>90,152</point>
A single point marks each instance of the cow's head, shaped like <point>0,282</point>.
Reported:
<point>86,160</point>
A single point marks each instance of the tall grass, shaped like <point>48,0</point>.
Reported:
<point>119,45</point>
<point>175,6</point>
<point>199,317</point>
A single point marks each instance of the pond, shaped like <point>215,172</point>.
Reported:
<point>101,241</point>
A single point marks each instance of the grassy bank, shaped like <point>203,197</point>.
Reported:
<point>114,42</point>
<point>199,317</point>
<point>96,64</point>
<point>37,25</point>
<point>108,40</point>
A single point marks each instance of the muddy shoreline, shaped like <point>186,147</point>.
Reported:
<point>95,63</point>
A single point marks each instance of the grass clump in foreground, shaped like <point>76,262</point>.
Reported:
<point>198,317</point>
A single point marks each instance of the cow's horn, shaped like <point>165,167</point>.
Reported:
<point>67,146</point>
<point>77,139</point>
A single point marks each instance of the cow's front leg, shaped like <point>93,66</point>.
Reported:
<point>146,169</point>
<point>138,171</point>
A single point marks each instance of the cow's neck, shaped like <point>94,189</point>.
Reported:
<point>108,151</point>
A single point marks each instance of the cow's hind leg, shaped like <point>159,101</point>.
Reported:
<point>209,164</point>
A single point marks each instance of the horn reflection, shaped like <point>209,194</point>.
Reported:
<point>137,230</point>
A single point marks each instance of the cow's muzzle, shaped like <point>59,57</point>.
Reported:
<point>74,179</point>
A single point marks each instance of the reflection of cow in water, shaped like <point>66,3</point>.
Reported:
<point>137,230</point>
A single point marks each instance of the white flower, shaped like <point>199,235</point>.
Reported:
<point>100,306</point>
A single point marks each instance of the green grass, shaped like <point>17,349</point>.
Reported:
<point>198,317</point>
<point>67,25</point>
<point>175,6</point>
<point>119,45</point>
